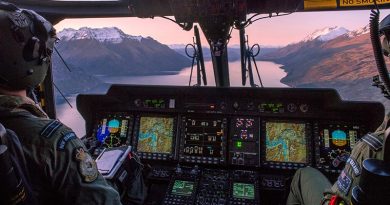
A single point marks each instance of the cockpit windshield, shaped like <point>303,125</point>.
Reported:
<point>300,50</point>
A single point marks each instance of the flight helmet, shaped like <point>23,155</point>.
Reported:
<point>384,30</point>
<point>26,44</point>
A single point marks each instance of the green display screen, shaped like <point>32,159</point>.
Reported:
<point>243,191</point>
<point>183,188</point>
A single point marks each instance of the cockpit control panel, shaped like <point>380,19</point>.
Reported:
<point>228,145</point>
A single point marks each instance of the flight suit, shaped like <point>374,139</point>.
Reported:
<point>62,172</point>
<point>310,187</point>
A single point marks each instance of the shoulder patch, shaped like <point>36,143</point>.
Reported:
<point>355,166</point>
<point>65,139</point>
<point>50,128</point>
<point>344,182</point>
<point>87,166</point>
<point>373,141</point>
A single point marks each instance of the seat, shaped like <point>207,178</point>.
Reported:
<point>14,175</point>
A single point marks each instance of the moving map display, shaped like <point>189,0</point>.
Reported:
<point>285,142</point>
<point>184,188</point>
<point>155,134</point>
<point>112,129</point>
<point>336,143</point>
<point>243,190</point>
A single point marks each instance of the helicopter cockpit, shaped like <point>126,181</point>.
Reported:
<point>222,144</point>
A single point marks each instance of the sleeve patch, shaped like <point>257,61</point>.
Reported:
<point>87,166</point>
<point>355,166</point>
<point>65,139</point>
<point>344,182</point>
<point>50,128</point>
<point>373,142</point>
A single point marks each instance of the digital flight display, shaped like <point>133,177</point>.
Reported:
<point>154,103</point>
<point>336,142</point>
<point>244,141</point>
<point>271,107</point>
<point>204,138</point>
<point>243,191</point>
<point>112,129</point>
<point>155,134</point>
<point>183,188</point>
<point>286,142</point>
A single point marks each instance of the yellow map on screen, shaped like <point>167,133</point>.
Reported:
<point>285,142</point>
<point>155,135</point>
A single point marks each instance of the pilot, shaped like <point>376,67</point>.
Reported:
<point>309,186</point>
<point>62,172</point>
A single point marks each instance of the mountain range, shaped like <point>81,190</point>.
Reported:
<point>109,52</point>
<point>332,57</point>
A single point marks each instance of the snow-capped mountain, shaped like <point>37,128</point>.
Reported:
<point>345,63</point>
<point>112,34</point>
<point>359,32</point>
<point>177,46</point>
<point>110,51</point>
<point>326,34</point>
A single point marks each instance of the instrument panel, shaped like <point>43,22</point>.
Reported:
<point>221,146</point>
<point>245,127</point>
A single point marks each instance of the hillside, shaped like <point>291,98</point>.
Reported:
<point>109,51</point>
<point>345,62</point>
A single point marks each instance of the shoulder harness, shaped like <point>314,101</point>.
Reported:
<point>373,141</point>
<point>50,128</point>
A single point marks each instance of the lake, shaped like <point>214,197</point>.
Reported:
<point>270,73</point>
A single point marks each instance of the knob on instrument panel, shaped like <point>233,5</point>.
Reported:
<point>304,107</point>
<point>236,106</point>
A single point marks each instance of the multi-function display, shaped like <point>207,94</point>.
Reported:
<point>286,143</point>
<point>154,136</point>
<point>112,129</point>
<point>244,190</point>
<point>336,142</point>
<point>203,140</point>
<point>184,188</point>
<point>244,141</point>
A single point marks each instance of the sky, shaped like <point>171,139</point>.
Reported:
<point>277,31</point>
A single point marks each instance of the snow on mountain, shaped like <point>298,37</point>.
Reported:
<point>112,34</point>
<point>359,32</point>
<point>176,46</point>
<point>326,34</point>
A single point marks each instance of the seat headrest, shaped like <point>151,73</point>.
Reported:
<point>3,132</point>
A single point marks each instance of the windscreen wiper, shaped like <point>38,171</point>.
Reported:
<point>197,56</point>
<point>248,55</point>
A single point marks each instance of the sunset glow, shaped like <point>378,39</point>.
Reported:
<point>277,31</point>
